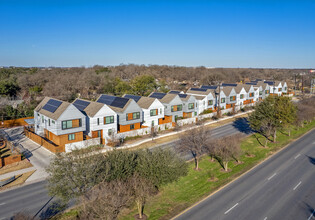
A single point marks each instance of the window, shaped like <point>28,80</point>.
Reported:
<point>98,121</point>
<point>242,96</point>
<point>48,122</point>
<point>266,91</point>
<point>176,108</point>
<point>160,110</point>
<point>196,104</point>
<point>132,127</point>
<point>191,106</point>
<point>42,119</point>
<point>132,116</point>
<point>154,112</point>
<point>71,137</point>
<point>210,102</point>
<point>251,94</point>
<point>260,92</point>
<point>53,121</point>
<point>279,89</point>
<point>109,120</point>
<point>179,107</point>
<point>285,88</point>
<point>37,114</point>
<point>99,133</point>
<point>232,98</point>
<point>66,124</point>
<point>152,123</point>
<point>110,132</point>
<point>222,100</point>
<point>176,118</point>
<point>195,113</point>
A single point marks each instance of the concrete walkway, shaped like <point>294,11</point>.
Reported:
<point>17,172</point>
<point>38,156</point>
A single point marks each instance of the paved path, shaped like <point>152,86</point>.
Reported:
<point>17,172</point>
<point>39,156</point>
<point>280,188</point>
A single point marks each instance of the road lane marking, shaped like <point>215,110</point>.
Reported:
<point>2,203</point>
<point>265,218</point>
<point>311,215</point>
<point>297,156</point>
<point>272,176</point>
<point>297,185</point>
<point>231,208</point>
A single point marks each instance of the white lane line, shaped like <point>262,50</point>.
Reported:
<point>272,176</point>
<point>297,156</point>
<point>2,203</point>
<point>311,215</point>
<point>265,218</point>
<point>231,208</point>
<point>297,185</point>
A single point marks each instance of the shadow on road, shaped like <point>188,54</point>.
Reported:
<point>242,125</point>
<point>311,159</point>
<point>53,209</point>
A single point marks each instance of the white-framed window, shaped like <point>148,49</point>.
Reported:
<point>71,137</point>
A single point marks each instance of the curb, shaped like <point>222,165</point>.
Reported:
<point>222,187</point>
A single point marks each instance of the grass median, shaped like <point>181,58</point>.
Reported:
<point>178,196</point>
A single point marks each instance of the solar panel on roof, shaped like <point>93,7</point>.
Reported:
<point>157,95</point>
<point>119,102</point>
<point>229,84</point>
<point>198,89</point>
<point>81,104</point>
<point>52,105</point>
<point>182,95</point>
<point>251,83</point>
<point>174,92</point>
<point>106,99</point>
<point>134,97</point>
<point>208,87</point>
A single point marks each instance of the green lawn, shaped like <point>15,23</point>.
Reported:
<point>175,197</point>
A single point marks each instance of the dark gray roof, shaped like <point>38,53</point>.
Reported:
<point>134,97</point>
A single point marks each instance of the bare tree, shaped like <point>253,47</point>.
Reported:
<point>106,200</point>
<point>195,141</point>
<point>227,148</point>
<point>235,143</point>
<point>141,188</point>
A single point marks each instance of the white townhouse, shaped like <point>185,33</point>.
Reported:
<point>59,121</point>
<point>241,95</point>
<point>250,97</point>
<point>231,96</point>
<point>101,120</point>
<point>129,113</point>
<point>275,87</point>
<point>220,98</point>
<point>207,102</point>
<point>284,87</point>
<point>173,105</point>
<point>152,109</point>
<point>190,104</point>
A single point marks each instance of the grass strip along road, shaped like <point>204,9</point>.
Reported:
<point>176,197</point>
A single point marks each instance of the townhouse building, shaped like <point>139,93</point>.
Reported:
<point>250,96</point>
<point>173,106</point>
<point>231,96</point>
<point>129,113</point>
<point>275,87</point>
<point>152,109</point>
<point>101,120</point>
<point>189,104</point>
<point>59,121</point>
<point>205,98</point>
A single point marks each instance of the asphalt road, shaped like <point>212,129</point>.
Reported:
<point>282,187</point>
<point>29,199</point>
<point>33,197</point>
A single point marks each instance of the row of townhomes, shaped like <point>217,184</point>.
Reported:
<point>110,117</point>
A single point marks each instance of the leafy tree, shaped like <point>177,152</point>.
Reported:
<point>9,87</point>
<point>160,166</point>
<point>143,85</point>
<point>264,119</point>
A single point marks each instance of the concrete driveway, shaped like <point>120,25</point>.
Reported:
<point>39,156</point>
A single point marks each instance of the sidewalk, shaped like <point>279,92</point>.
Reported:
<point>127,146</point>
<point>15,173</point>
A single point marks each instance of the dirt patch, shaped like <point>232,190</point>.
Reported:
<point>15,166</point>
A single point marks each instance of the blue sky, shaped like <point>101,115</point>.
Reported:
<point>276,34</point>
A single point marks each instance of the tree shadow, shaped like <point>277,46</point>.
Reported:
<point>311,159</point>
<point>309,208</point>
<point>53,209</point>
<point>242,125</point>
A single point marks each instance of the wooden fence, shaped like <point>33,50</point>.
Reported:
<point>14,122</point>
<point>43,142</point>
